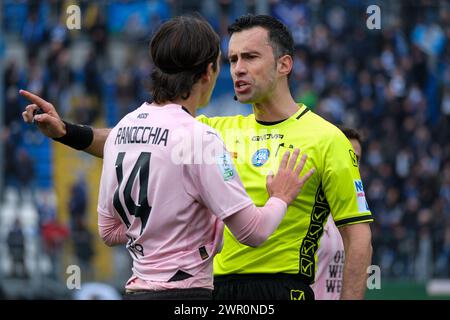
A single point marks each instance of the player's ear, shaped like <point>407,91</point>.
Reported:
<point>207,76</point>
<point>284,64</point>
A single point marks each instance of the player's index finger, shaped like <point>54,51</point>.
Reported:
<point>35,99</point>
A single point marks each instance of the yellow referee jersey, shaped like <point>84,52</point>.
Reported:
<point>256,149</point>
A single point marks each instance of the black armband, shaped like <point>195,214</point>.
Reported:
<point>77,136</point>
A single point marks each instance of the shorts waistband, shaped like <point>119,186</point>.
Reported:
<point>190,293</point>
<point>260,276</point>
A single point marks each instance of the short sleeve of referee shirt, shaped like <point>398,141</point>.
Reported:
<point>342,183</point>
<point>212,178</point>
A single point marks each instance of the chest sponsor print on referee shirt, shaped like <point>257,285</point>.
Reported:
<point>260,157</point>
<point>268,136</point>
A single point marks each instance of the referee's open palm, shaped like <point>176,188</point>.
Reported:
<point>287,183</point>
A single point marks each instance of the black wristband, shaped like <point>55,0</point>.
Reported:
<point>77,136</point>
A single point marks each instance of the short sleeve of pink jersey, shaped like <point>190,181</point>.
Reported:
<point>213,180</point>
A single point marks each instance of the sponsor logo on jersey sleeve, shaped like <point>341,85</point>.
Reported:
<point>225,166</point>
<point>361,196</point>
<point>260,157</point>
<point>353,157</point>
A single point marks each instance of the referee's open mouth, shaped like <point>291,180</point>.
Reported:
<point>241,86</point>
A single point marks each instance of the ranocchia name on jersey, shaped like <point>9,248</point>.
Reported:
<point>152,135</point>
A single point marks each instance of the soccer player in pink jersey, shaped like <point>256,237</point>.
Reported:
<point>168,184</point>
<point>330,255</point>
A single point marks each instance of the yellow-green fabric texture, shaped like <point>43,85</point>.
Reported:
<point>293,247</point>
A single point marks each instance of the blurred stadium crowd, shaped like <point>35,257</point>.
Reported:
<point>392,84</point>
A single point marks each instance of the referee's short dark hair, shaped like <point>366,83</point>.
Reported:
<point>181,50</point>
<point>280,36</point>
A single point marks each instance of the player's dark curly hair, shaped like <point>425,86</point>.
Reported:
<point>351,133</point>
<point>279,35</point>
<point>181,49</point>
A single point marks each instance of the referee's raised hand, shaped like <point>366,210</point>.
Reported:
<point>47,119</point>
<point>287,183</point>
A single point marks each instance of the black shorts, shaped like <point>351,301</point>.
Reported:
<point>171,294</point>
<point>280,286</point>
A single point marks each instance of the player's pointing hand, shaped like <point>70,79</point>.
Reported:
<point>44,114</point>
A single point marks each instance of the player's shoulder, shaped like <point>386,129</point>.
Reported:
<point>137,114</point>
<point>206,130</point>
<point>126,121</point>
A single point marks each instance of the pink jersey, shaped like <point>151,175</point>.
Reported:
<point>162,170</point>
<point>330,269</point>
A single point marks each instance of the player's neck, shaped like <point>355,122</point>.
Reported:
<point>196,97</point>
<point>188,104</point>
<point>277,108</point>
